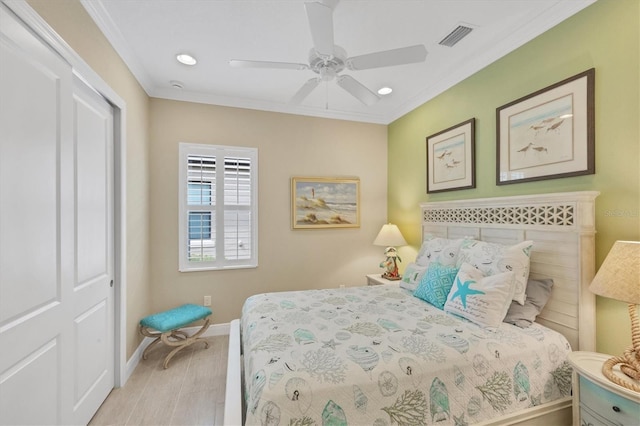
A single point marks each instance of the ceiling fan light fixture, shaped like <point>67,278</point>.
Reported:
<point>186,59</point>
<point>327,74</point>
<point>385,90</point>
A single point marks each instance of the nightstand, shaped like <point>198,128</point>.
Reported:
<point>596,399</point>
<point>376,279</point>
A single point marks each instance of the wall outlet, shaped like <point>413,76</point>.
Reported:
<point>207,301</point>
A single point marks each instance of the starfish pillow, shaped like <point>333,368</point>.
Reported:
<point>481,299</point>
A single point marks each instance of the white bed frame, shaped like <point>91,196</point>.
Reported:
<point>562,226</point>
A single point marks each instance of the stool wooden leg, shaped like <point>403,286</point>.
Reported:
<point>183,343</point>
<point>179,348</point>
<point>175,334</point>
<point>145,332</point>
<point>178,334</point>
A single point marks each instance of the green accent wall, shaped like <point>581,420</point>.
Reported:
<point>604,36</point>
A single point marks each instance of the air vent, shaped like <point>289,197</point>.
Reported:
<point>455,36</point>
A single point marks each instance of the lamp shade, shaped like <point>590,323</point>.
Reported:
<point>389,236</point>
<point>619,276</point>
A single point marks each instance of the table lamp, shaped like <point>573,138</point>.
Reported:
<point>390,236</point>
<point>619,278</point>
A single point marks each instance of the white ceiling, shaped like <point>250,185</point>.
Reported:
<point>149,33</point>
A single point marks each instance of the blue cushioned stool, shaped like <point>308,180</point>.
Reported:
<point>166,324</point>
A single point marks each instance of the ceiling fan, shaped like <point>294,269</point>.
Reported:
<point>327,59</point>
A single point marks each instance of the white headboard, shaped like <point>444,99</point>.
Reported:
<point>562,227</point>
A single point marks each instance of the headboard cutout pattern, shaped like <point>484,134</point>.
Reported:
<point>558,215</point>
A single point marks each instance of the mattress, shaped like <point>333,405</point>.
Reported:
<point>379,356</point>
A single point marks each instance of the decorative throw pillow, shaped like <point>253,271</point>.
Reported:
<point>436,284</point>
<point>491,259</point>
<point>412,275</point>
<point>441,250</point>
<point>538,293</point>
<point>481,299</point>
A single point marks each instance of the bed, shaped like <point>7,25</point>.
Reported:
<point>379,356</point>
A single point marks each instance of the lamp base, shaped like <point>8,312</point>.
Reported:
<point>607,370</point>
<point>630,359</point>
<point>391,277</point>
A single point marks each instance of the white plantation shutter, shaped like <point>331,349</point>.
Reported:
<point>218,207</point>
<point>237,202</point>
<point>201,200</point>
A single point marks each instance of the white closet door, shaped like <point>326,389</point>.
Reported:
<point>36,229</point>
<point>93,319</point>
<point>56,328</point>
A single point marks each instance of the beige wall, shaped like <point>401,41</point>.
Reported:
<point>288,145</point>
<point>70,20</point>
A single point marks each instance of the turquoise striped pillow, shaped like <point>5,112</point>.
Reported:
<point>436,283</point>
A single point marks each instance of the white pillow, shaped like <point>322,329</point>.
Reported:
<point>491,259</point>
<point>412,276</point>
<point>481,299</point>
<point>441,250</point>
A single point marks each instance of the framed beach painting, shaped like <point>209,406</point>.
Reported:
<point>318,202</point>
<point>450,158</point>
<point>548,134</point>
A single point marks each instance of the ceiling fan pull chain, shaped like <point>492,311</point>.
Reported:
<point>326,88</point>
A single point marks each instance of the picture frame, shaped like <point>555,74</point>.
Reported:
<point>548,134</point>
<point>325,202</point>
<point>451,158</point>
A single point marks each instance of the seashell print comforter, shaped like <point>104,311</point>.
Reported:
<point>379,356</point>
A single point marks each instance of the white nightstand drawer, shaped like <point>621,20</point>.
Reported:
<point>608,405</point>
<point>589,418</point>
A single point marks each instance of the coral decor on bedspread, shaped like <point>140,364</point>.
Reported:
<point>379,356</point>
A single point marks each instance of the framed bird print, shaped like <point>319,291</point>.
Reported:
<point>548,134</point>
<point>450,158</point>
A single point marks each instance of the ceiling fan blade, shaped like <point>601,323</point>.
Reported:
<point>239,63</point>
<point>321,25</point>
<point>304,91</point>
<point>359,91</point>
<point>388,58</point>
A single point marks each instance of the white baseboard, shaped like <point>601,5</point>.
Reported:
<point>132,363</point>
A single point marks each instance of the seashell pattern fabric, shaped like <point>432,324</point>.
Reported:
<point>380,356</point>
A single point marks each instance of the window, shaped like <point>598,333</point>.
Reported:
<point>218,216</point>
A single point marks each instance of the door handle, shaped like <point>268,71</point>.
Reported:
<point>111,283</point>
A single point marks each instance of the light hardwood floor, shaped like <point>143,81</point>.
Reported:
<point>189,392</point>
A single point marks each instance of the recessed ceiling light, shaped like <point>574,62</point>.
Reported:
<point>385,90</point>
<point>186,59</point>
